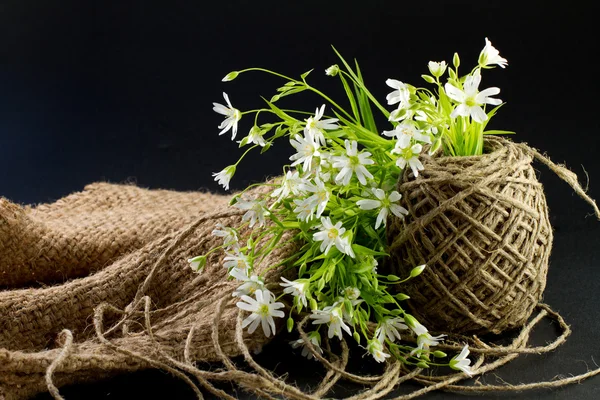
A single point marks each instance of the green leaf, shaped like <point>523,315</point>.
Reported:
<point>280,113</point>
<point>350,98</point>
<point>304,75</point>
<point>364,104</point>
<point>498,132</point>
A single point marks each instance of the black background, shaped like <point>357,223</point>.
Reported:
<point>122,91</point>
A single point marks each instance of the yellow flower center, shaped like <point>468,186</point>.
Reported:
<point>263,309</point>
<point>333,233</point>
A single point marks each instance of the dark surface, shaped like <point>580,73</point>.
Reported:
<point>122,91</point>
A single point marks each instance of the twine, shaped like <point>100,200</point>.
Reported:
<point>481,225</point>
<point>146,309</point>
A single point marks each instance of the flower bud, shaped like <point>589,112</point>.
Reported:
<point>439,354</point>
<point>230,76</point>
<point>456,60</point>
<point>198,263</point>
<point>290,324</point>
<point>333,70</point>
<point>437,69</point>
<point>416,271</point>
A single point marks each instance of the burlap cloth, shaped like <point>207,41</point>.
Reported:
<point>128,247</point>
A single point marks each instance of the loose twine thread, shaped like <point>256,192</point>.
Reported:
<point>265,384</point>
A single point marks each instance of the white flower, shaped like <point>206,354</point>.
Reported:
<point>320,198</point>
<point>296,288</point>
<point>198,263</point>
<point>437,69</point>
<point>351,293</point>
<point>425,340</point>
<point>224,176</point>
<point>263,309</point>
<point>250,286</point>
<point>256,136</point>
<point>256,211</point>
<point>389,328</point>
<point>306,149</point>
<point>490,56</point>
<point>314,126</point>
<point>406,131</point>
<point>333,70</point>
<point>353,163</point>
<point>233,115</point>
<point>410,156</point>
<point>375,347</point>
<point>417,327</point>
<point>332,316</point>
<point>400,114</point>
<point>315,340</point>
<point>401,95</point>
<point>305,209</point>
<point>291,183</point>
<point>471,99</point>
<point>385,205</point>
<point>331,235</point>
<point>461,362</point>
<point>237,260</point>
<point>229,235</point>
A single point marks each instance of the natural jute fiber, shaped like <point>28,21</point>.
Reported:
<point>481,225</point>
<point>85,231</point>
<point>153,278</point>
<point>147,309</point>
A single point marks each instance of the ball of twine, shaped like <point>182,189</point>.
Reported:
<point>481,225</point>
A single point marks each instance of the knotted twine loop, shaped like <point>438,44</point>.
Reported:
<point>481,225</point>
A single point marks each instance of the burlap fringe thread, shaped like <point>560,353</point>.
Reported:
<point>264,384</point>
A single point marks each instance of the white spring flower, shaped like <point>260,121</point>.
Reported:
<point>425,341</point>
<point>333,317</point>
<point>424,338</point>
<point>297,289</point>
<point>249,287</point>
<point>353,163</point>
<point>490,56</point>
<point>437,69</point>
<point>385,204</point>
<point>233,115</point>
<point>320,198</point>
<point>470,99</point>
<point>315,340</point>
<point>401,95</point>
<point>256,211</point>
<point>461,362</point>
<point>306,148</point>
<point>314,126</point>
<point>290,184</point>
<point>224,177</point>
<point>389,328</point>
<point>375,347</point>
<point>331,235</point>
<point>410,156</point>
<point>406,131</point>
<point>351,293</point>
<point>305,209</point>
<point>263,309</point>
<point>256,136</point>
<point>237,260</point>
<point>229,235</point>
